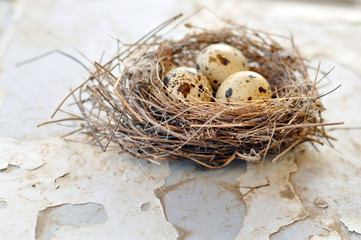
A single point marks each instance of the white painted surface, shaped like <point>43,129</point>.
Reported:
<point>40,173</point>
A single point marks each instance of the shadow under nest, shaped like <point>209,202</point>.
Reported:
<point>124,102</point>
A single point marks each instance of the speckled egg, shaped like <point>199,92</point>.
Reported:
<point>219,61</point>
<point>245,85</point>
<point>184,83</point>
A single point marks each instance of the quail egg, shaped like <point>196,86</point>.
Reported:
<point>245,85</point>
<point>218,61</point>
<point>184,83</point>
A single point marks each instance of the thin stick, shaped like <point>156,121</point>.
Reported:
<point>227,125</point>
<point>308,125</point>
<point>329,92</point>
<point>146,37</point>
<point>49,53</point>
<point>123,99</point>
<point>59,120</point>
<point>131,108</point>
<point>82,111</point>
<point>325,75</point>
<point>68,44</point>
<point>286,150</point>
<point>269,144</point>
<point>66,98</point>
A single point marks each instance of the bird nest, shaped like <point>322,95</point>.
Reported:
<point>124,102</point>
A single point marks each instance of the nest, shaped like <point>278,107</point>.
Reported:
<point>124,102</point>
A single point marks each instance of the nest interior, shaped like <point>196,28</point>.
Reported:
<point>124,102</point>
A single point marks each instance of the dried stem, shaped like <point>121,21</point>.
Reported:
<point>131,108</point>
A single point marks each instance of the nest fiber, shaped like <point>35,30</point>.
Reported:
<point>124,101</point>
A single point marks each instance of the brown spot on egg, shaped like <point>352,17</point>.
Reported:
<point>212,59</point>
<point>250,98</point>
<point>207,68</point>
<point>229,92</point>
<point>185,88</point>
<point>223,60</point>
<point>201,88</point>
<point>247,80</point>
<point>262,90</point>
<point>165,81</point>
<point>243,64</point>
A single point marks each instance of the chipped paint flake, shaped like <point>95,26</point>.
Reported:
<point>331,226</point>
<point>52,218</point>
<point>267,189</point>
<point>332,236</point>
<point>319,170</point>
<point>204,203</point>
<point>25,156</point>
<point>353,224</point>
<point>57,178</point>
<point>77,174</point>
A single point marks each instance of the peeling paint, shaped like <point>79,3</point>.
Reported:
<point>331,226</point>
<point>52,218</point>
<point>29,157</point>
<point>353,224</point>
<point>36,175</point>
<point>69,176</point>
<point>203,203</point>
<point>328,179</point>
<point>269,192</point>
<point>9,168</point>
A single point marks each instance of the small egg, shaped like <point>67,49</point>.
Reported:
<point>219,61</point>
<point>184,83</point>
<point>242,86</point>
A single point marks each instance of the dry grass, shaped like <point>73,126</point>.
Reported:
<point>124,102</point>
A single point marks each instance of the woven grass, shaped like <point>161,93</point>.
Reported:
<point>124,102</point>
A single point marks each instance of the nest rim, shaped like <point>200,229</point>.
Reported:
<point>139,117</point>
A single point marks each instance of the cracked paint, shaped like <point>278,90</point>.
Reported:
<point>353,224</point>
<point>72,174</point>
<point>36,175</point>
<point>327,185</point>
<point>52,218</point>
<point>331,226</point>
<point>203,203</point>
<point>27,160</point>
<point>266,189</point>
